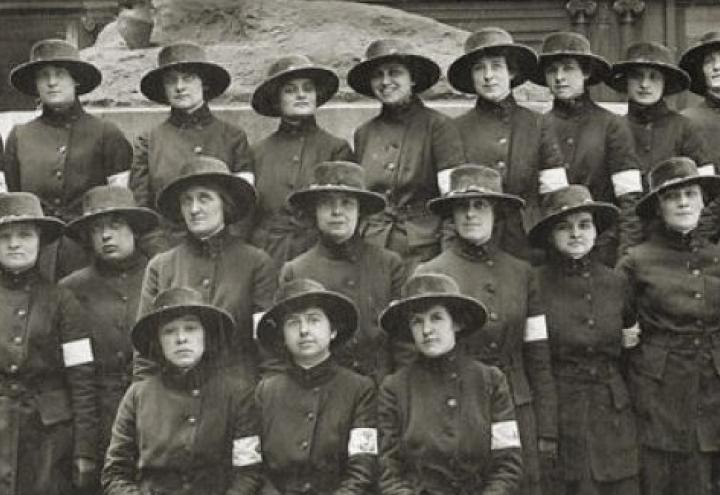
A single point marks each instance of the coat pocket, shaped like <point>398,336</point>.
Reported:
<point>651,361</point>
<point>54,407</point>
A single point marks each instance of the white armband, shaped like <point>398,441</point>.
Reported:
<point>120,179</point>
<point>552,179</point>
<point>505,435</point>
<point>627,181</point>
<point>248,176</point>
<point>3,184</point>
<point>246,451</point>
<point>363,441</point>
<point>77,352</point>
<point>708,169</point>
<point>535,329</point>
<point>256,321</point>
<point>443,180</point>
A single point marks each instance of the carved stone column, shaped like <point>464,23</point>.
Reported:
<point>628,12</point>
<point>581,12</point>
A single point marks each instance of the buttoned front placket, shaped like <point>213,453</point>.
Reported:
<point>17,303</point>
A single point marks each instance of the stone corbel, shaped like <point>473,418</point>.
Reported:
<point>628,11</point>
<point>581,12</point>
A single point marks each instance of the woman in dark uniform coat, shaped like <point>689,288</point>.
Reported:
<point>675,275</point>
<point>319,432</point>
<point>193,428</point>
<point>369,275</point>
<point>109,288</point>
<point>294,90</point>
<point>48,415</point>
<point>590,318</point>
<point>226,270</point>
<point>404,148</point>
<point>65,151</point>
<point>447,424</point>
<point>515,337</point>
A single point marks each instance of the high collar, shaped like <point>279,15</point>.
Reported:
<point>212,246</point>
<point>302,126</point>
<point>712,100</point>
<point>192,379</point>
<point>448,362</point>
<point>473,252</point>
<point>112,268</point>
<point>402,113</point>
<point>315,376</point>
<point>60,118</point>
<point>644,114</point>
<point>500,109</point>
<point>21,280</point>
<point>677,240</point>
<point>570,266</point>
<point>347,250</point>
<point>200,117</point>
<point>573,107</point>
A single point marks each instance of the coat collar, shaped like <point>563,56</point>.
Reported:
<point>315,376</point>
<point>22,280</point>
<point>114,268</point>
<point>575,107</point>
<point>712,101</point>
<point>570,266</point>
<point>61,118</point>
<point>200,117</point>
<point>677,240</point>
<point>174,378</point>
<point>348,250</point>
<point>303,126</point>
<point>403,113</point>
<point>473,252</point>
<point>210,247</point>
<point>644,114</point>
<point>500,109</point>
<point>446,363</point>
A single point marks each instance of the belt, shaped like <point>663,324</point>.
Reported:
<point>599,370</point>
<point>682,341</point>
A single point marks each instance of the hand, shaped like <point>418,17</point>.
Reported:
<point>548,447</point>
<point>84,472</point>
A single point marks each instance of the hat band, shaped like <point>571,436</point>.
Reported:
<point>340,186</point>
<point>675,180</point>
<point>473,189</point>
<point>20,217</point>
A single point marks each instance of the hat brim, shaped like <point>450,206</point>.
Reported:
<point>443,206</point>
<point>213,320</point>
<point>599,67</point>
<point>604,216</point>
<point>51,228</point>
<point>523,59</point>
<point>692,61</point>
<point>340,310</point>
<point>369,202</point>
<point>266,97</point>
<point>239,191</point>
<point>394,320</point>
<point>425,73</point>
<point>141,220</point>
<point>710,185</point>
<point>86,75</point>
<point>214,77</point>
<point>676,80</point>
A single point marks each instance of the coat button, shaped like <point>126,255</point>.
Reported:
<point>21,312</point>
<point>296,158</point>
<point>501,164</point>
<point>453,376</point>
<point>124,298</point>
<point>192,420</point>
<point>502,140</point>
<point>206,282</point>
<point>570,140</point>
<point>390,166</point>
<point>307,487</point>
<point>197,150</point>
<point>586,274</point>
<point>351,283</point>
<point>493,345</point>
<point>493,316</point>
<point>59,174</point>
<point>489,262</point>
<point>13,368</point>
<point>591,322</point>
<point>696,272</point>
<point>588,297</point>
<point>62,149</point>
<point>14,386</point>
<point>452,403</point>
<point>311,416</point>
<point>304,445</point>
<point>698,295</point>
<point>57,201</point>
<point>195,392</point>
<point>17,340</point>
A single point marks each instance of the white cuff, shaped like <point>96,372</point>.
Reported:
<point>505,435</point>
<point>256,322</point>
<point>248,176</point>
<point>552,179</point>
<point>627,181</point>
<point>120,179</point>
<point>77,352</point>
<point>363,441</point>
<point>535,328</point>
<point>708,169</point>
<point>443,180</point>
<point>246,451</point>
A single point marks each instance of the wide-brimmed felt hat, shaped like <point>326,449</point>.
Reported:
<point>649,54</point>
<point>423,290</point>
<point>692,60</point>
<point>174,303</point>
<point>303,293</point>
<point>425,73</point>
<point>492,41</point>
<point>185,57</point>
<point>115,200</point>
<point>567,44</point>
<point>673,172</point>
<point>204,170</point>
<point>16,207</point>
<point>62,54</point>
<point>338,176</point>
<point>562,202</point>
<point>265,99</point>
<point>471,181</point>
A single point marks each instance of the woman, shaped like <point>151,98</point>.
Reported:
<point>192,428</point>
<point>515,338</point>
<point>48,426</point>
<point>675,275</point>
<point>404,148</point>
<point>186,81</point>
<point>293,91</point>
<point>498,132</point>
<point>590,319</point>
<point>369,275</point>
<point>65,151</point>
<point>318,419</point>
<point>447,424</point>
<point>109,288</point>
<point>227,271</point>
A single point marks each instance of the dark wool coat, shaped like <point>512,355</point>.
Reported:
<point>319,430</point>
<point>587,306</point>
<point>675,372</point>
<point>284,163</point>
<point>48,412</point>
<point>447,427</point>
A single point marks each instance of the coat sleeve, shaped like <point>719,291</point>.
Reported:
<point>242,154</point>
<point>506,471</point>
<point>361,468</point>
<point>117,152</point>
<point>247,459</point>
<point>265,281</point>
<point>139,181</point>
<point>447,145</point>
<point>143,367</point>
<point>120,470</point>
<point>695,147</point>
<point>11,165</point>
<point>392,478</point>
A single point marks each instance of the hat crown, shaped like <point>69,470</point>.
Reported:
<point>487,38</point>
<point>204,165</point>
<point>474,178</point>
<point>53,49</point>
<point>566,42</point>
<point>427,284</point>
<point>672,170</point>
<point>568,197</point>
<point>338,173</point>
<point>385,47</point>
<point>710,37</point>
<point>291,62</point>
<point>177,297</point>
<point>102,198</point>
<point>19,204</point>
<point>297,287</point>
<point>181,53</point>
<point>649,52</point>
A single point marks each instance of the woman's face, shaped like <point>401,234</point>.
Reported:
<point>202,210</point>
<point>645,85</point>
<point>308,333</point>
<point>492,77</point>
<point>298,98</point>
<point>337,215</point>
<point>680,207</point>
<point>182,341</point>
<point>55,85</point>
<point>566,78</point>
<point>433,330</point>
<point>19,246</point>
<point>574,235</point>
<point>112,238</point>
<point>183,90</point>
<point>474,220</point>
<point>711,70</point>
<point>392,83</point>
